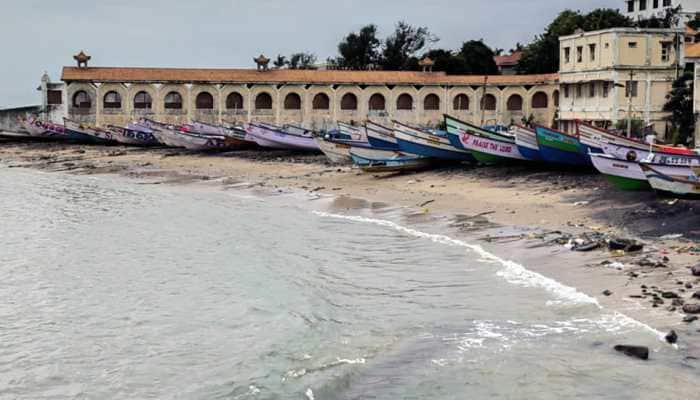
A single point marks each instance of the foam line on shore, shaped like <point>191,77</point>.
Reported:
<point>511,272</point>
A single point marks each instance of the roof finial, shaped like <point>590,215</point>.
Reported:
<point>427,64</point>
<point>262,62</point>
<point>82,58</point>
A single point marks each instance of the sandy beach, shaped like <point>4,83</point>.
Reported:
<point>528,214</point>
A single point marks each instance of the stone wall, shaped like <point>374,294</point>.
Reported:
<point>317,115</point>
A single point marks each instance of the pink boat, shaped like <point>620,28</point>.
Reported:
<point>276,138</point>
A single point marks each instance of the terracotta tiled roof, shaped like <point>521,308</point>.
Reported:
<point>692,50</point>
<point>508,60</point>
<point>110,74</point>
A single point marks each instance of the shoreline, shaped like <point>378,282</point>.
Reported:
<point>512,205</point>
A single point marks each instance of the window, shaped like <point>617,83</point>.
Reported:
<point>632,45</point>
<point>377,102</point>
<point>665,51</point>
<point>404,102</point>
<point>539,100</point>
<point>173,101</point>
<point>630,5</point>
<point>488,102</point>
<point>642,5</point>
<point>567,54</point>
<point>667,3</point>
<point>112,100</point>
<point>591,89</point>
<point>348,102</point>
<point>54,97</point>
<point>591,51</point>
<point>204,101</point>
<point>431,102</point>
<point>566,91</point>
<point>263,102</point>
<point>321,102</point>
<point>292,102</point>
<point>234,101</point>
<point>82,100</point>
<point>514,103</point>
<point>631,89</point>
<point>556,98</point>
<point>606,89</point>
<point>143,101</point>
<point>579,54</point>
<point>461,102</point>
<point>656,4</point>
<point>579,91</point>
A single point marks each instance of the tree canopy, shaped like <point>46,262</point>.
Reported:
<point>359,50</point>
<point>542,55</point>
<point>400,48</point>
<point>478,58</point>
<point>680,105</point>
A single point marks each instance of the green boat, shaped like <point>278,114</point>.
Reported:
<point>625,175</point>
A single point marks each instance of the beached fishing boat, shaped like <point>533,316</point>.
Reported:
<point>561,148</point>
<point>486,147</point>
<point>624,152</point>
<point>42,129</point>
<point>236,138</point>
<point>132,137</point>
<point>173,136</point>
<point>685,182</point>
<point>592,138</point>
<point>373,160</point>
<point>526,140</point>
<point>380,136</point>
<point>352,132</point>
<point>625,175</point>
<point>95,134</point>
<point>270,136</point>
<point>415,141</point>
<point>14,135</point>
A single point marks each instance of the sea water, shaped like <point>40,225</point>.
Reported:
<point>114,289</point>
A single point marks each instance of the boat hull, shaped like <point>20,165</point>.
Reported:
<point>686,184</point>
<point>275,139</point>
<point>625,175</point>
<point>558,148</point>
<point>526,140</point>
<point>425,144</point>
<point>372,160</point>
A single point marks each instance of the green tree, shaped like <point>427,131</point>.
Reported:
<point>542,55</point>
<point>401,47</point>
<point>280,61</point>
<point>680,105</point>
<point>359,50</point>
<point>447,61</point>
<point>477,58</point>
<point>302,61</point>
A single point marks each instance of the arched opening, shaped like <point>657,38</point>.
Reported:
<point>321,102</point>
<point>173,101</point>
<point>488,102</point>
<point>555,97</point>
<point>112,100</point>
<point>539,100</point>
<point>292,102</point>
<point>431,102</point>
<point>515,103</point>
<point>234,101</point>
<point>82,100</point>
<point>204,101</point>
<point>377,102</point>
<point>348,102</point>
<point>263,102</point>
<point>143,101</point>
<point>404,102</point>
<point>461,102</point>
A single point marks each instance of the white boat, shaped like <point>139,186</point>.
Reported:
<point>380,136</point>
<point>274,137</point>
<point>686,182</point>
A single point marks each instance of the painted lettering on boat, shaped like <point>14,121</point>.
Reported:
<point>486,144</point>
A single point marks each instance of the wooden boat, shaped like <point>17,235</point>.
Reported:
<point>10,135</point>
<point>96,135</point>
<point>380,136</point>
<point>45,130</point>
<point>624,152</point>
<point>485,146</point>
<point>172,136</point>
<point>594,138</point>
<point>625,175</point>
<point>561,148</point>
<point>235,138</point>
<point>526,140</point>
<point>415,141</point>
<point>132,137</point>
<point>685,182</point>
<point>270,136</point>
<point>353,132</point>
<point>373,160</point>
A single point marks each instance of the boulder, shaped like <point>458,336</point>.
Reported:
<point>641,352</point>
<point>695,270</point>
<point>607,293</point>
<point>691,308</point>
<point>672,337</point>
<point>696,295</point>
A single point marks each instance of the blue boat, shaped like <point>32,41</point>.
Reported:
<point>372,160</point>
<point>380,136</point>
<point>526,140</point>
<point>416,141</point>
<point>560,148</point>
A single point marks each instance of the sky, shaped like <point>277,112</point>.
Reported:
<point>42,36</point>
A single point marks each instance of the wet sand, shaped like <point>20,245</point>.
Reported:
<point>506,209</point>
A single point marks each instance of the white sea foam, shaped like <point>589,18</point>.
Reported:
<point>512,272</point>
<point>310,394</point>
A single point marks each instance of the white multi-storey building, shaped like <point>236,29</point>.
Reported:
<point>645,9</point>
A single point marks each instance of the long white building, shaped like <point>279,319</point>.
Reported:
<point>645,9</point>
